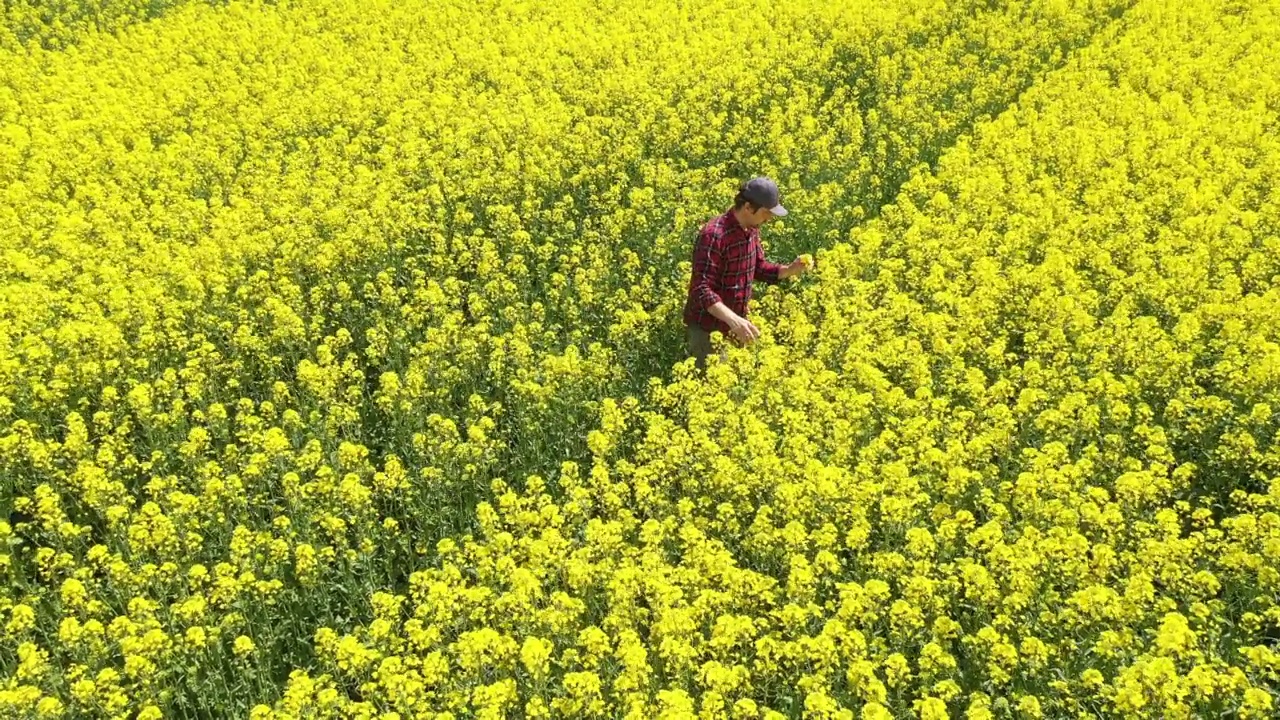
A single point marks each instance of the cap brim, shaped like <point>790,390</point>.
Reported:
<point>778,210</point>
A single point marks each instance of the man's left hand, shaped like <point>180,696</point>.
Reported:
<point>799,266</point>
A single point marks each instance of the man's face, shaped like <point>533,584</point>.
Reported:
<point>758,217</point>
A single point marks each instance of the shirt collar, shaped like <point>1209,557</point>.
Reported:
<point>731,221</point>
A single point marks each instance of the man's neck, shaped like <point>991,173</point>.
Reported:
<point>737,215</point>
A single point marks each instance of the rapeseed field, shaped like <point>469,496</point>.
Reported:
<point>342,371</point>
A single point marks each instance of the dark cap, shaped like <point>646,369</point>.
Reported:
<point>764,193</point>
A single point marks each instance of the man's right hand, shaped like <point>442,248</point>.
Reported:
<point>740,328</point>
<point>743,329</point>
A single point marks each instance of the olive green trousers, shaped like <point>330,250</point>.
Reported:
<point>700,346</point>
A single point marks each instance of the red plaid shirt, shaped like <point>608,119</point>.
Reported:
<point>727,258</point>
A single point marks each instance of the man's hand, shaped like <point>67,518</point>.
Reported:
<point>743,329</point>
<point>740,328</point>
<point>799,266</point>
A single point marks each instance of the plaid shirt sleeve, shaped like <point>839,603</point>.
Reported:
<point>706,268</point>
<point>766,272</point>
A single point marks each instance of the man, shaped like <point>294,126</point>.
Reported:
<point>727,258</point>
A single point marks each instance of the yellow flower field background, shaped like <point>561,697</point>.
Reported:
<point>342,372</point>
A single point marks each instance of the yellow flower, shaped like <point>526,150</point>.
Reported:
<point>21,619</point>
<point>243,646</point>
<point>49,707</point>
<point>1029,707</point>
<point>931,708</point>
<point>875,711</point>
<point>1257,703</point>
<point>197,638</point>
<point>535,655</point>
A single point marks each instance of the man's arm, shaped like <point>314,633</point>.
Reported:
<point>707,257</point>
<point>767,272</point>
<point>723,312</point>
<point>739,327</point>
<point>706,271</point>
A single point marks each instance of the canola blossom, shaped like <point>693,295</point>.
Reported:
<point>338,363</point>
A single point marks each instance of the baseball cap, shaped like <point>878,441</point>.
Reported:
<point>763,192</point>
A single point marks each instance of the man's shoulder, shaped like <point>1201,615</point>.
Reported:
<point>717,225</point>
<point>713,229</point>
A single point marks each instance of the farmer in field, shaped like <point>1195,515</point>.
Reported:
<point>727,258</point>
